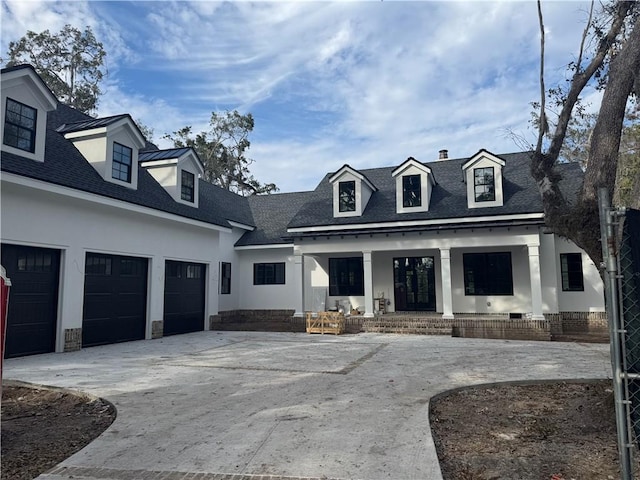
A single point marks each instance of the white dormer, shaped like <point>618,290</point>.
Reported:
<point>483,175</point>
<point>110,145</point>
<point>25,103</point>
<point>414,184</point>
<point>351,192</point>
<point>177,170</point>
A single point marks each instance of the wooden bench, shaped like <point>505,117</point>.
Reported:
<point>325,322</point>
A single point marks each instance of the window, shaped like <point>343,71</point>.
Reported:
<point>484,184</point>
<point>225,278</point>
<point>411,193</point>
<point>194,271</point>
<point>571,268</point>
<point>187,189</point>
<point>346,276</point>
<point>97,265</point>
<point>131,267</point>
<point>347,196</point>
<point>121,167</point>
<point>268,273</point>
<point>487,273</point>
<point>34,261</point>
<point>20,126</point>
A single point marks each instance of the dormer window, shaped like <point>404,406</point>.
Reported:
<point>347,194</point>
<point>411,191</point>
<point>483,175</point>
<point>414,184</point>
<point>121,165</point>
<point>484,184</point>
<point>187,186</point>
<point>20,126</point>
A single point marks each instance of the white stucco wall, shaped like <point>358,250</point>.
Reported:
<point>592,298</point>
<point>261,297</point>
<point>77,226</point>
<point>227,253</point>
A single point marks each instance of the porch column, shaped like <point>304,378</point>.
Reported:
<point>536,282</point>
<point>445,277</point>
<point>368,283</point>
<point>298,281</point>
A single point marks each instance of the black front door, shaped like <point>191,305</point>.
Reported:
<point>415,286</point>
<point>33,299</point>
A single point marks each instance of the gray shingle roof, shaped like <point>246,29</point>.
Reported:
<point>272,213</point>
<point>65,166</point>
<point>448,200</point>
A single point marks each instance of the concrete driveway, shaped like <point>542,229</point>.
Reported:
<point>253,405</point>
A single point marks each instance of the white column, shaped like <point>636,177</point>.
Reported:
<point>298,282</point>
<point>70,293</point>
<point>445,277</point>
<point>368,283</point>
<point>536,283</point>
<point>155,290</point>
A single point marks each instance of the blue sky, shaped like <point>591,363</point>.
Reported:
<point>367,83</point>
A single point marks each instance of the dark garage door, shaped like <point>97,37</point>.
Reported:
<point>115,299</point>
<point>184,290</point>
<point>33,299</point>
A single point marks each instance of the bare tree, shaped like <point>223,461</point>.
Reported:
<point>615,64</point>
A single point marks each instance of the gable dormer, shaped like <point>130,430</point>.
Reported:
<point>351,192</point>
<point>177,170</point>
<point>483,175</point>
<point>110,145</point>
<point>414,184</point>
<point>25,103</point>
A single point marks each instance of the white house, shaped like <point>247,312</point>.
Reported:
<point>108,239</point>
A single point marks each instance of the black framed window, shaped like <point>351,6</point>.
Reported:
<point>347,196</point>
<point>225,278</point>
<point>487,273</point>
<point>97,264</point>
<point>268,273</point>
<point>484,184</point>
<point>571,269</point>
<point>411,191</point>
<point>346,276</point>
<point>20,126</point>
<point>34,261</point>
<point>121,166</point>
<point>194,271</point>
<point>187,186</point>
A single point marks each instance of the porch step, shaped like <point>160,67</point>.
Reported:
<point>402,324</point>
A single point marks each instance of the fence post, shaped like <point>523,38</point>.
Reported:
<point>615,329</point>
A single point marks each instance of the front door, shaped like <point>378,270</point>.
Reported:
<point>415,286</point>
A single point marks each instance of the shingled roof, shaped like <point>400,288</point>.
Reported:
<point>448,200</point>
<point>65,166</point>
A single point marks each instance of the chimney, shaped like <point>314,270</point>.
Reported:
<point>443,154</point>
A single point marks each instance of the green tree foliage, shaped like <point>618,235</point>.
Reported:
<point>71,63</point>
<point>222,150</point>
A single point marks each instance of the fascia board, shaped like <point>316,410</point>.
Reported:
<point>416,223</point>
<point>45,96</point>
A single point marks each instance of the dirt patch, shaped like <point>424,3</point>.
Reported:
<point>541,431</point>
<point>43,426</point>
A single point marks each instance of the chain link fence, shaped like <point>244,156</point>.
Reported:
<point>621,259</point>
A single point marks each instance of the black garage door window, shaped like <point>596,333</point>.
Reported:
<point>115,299</point>
<point>33,299</point>
<point>184,292</point>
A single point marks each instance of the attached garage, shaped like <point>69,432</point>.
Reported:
<point>33,299</point>
<point>184,293</point>
<point>115,299</point>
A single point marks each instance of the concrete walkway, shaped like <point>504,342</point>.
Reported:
<point>252,405</point>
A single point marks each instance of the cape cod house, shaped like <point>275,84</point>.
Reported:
<point>107,238</point>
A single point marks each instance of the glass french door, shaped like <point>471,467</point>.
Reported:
<point>414,284</point>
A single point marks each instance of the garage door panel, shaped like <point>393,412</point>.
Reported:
<point>115,299</point>
<point>33,299</point>
<point>184,297</point>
